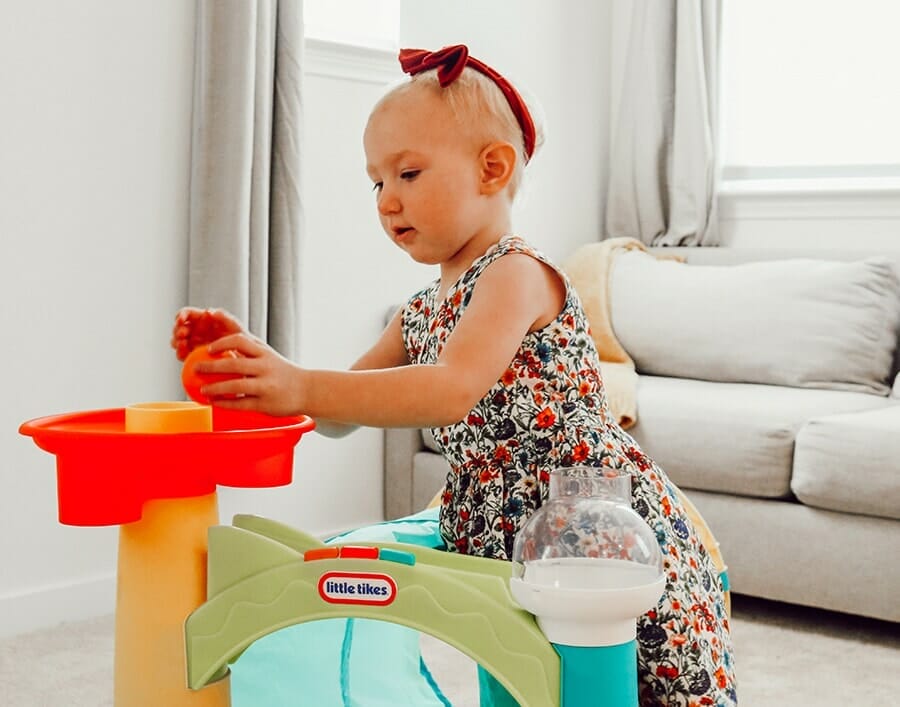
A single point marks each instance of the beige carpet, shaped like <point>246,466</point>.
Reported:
<point>786,655</point>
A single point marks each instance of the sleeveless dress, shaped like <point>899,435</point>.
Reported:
<point>549,410</point>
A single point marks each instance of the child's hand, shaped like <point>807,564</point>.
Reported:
<point>262,379</point>
<point>197,327</point>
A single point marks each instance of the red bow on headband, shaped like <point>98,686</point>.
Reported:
<point>450,61</point>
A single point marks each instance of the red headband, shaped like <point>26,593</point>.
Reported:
<point>450,61</point>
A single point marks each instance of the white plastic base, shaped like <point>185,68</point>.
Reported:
<point>587,601</point>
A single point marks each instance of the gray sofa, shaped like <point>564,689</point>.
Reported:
<point>765,392</point>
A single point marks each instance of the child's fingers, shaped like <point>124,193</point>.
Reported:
<point>181,333</point>
<point>182,350</point>
<point>229,365</point>
<point>245,402</point>
<point>186,314</point>
<point>228,390</point>
<point>222,391</point>
<point>244,344</point>
<point>203,327</point>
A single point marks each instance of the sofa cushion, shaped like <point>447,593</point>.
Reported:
<point>796,322</point>
<point>731,437</point>
<point>850,463</point>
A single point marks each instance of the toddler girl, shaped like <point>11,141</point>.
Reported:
<point>495,356</point>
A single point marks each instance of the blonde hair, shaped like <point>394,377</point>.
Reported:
<point>481,111</point>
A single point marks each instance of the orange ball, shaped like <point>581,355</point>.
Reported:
<point>193,381</point>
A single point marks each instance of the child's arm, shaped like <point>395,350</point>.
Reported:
<point>514,295</point>
<point>387,352</point>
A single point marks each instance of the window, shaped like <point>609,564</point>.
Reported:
<point>367,23</point>
<point>809,90</point>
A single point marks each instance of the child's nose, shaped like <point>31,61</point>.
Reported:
<point>388,203</point>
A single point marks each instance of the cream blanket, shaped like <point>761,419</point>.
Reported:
<point>589,271</point>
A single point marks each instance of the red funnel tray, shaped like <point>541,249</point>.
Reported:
<point>105,474</point>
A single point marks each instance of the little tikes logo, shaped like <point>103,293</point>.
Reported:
<point>371,588</point>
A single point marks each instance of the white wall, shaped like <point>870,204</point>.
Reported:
<point>94,150</point>
<point>94,138</point>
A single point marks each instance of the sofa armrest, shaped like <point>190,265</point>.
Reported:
<point>400,448</point>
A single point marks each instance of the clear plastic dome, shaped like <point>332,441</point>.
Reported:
<point>586,564</point>
<point>588,516</point>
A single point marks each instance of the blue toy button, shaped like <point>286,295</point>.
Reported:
<point>401,556</point>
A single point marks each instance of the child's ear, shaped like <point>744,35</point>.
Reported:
<point>497,162</point>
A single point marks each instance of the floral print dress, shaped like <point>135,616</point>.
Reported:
<point>549,410</point>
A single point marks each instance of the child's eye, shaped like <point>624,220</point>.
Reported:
<point>409,174</point>
<point>377,186</point>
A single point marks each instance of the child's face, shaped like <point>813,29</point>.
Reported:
<point>426,176</point>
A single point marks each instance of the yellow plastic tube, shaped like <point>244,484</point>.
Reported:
<point>162,579</point>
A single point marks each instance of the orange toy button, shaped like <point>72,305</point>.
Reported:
<point>193,381</point>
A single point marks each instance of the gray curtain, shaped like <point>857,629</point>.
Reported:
<point>663,165</point>
<point>245,213</point>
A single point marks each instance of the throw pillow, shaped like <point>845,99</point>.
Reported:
<point>796,322</point>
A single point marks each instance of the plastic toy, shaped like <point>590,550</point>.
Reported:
<point>193,381</point>
<point>153,469</point>
<point>265,576</point>
<point>587,565</point>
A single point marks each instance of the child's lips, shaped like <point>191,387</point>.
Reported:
<point>402,233</point>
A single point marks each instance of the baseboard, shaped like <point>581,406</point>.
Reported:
<point>51,605</point>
